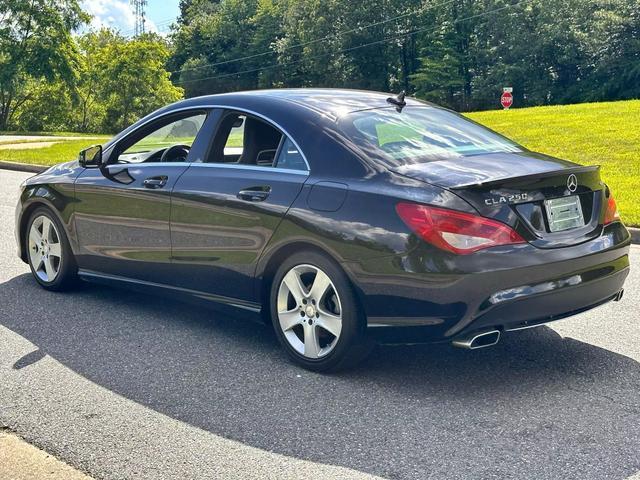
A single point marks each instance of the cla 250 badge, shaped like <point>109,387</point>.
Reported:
<point>516,197</point>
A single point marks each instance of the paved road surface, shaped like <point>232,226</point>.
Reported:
<point>122,385</point>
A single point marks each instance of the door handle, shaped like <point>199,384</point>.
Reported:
<point>254,194</point>
<point>155,182</point>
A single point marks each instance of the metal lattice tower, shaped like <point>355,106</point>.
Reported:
<point>139,12</point>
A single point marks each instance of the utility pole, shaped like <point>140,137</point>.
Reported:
<point>139,12</point>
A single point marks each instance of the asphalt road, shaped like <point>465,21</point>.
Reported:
<point>122,385</point>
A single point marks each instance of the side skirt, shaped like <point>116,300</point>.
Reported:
<point>142,285</point>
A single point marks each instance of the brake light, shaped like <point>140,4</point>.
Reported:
<point>454,231</point>
<point>611,214</point>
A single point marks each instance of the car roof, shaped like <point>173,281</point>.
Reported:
<point>328,102</point>
<point>303,114</point>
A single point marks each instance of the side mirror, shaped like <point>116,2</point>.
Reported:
<point>91,157</point>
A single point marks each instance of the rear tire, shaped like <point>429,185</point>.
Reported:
<point>48,251</point>
<point>315,314</point>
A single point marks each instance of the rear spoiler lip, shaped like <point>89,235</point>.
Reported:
<point>524,178</point>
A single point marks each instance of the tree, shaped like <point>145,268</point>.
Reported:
<point>131,79</point>
<point>89,113</point>
<point>210,34</point>
<point>616,46</point>
<point>39,113</point>
<point>35,46</point>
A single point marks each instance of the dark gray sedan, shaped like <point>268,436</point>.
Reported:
<point>340,216</point>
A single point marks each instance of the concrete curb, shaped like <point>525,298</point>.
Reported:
<point>22,167</point>
<point>19,459</point>
<point>25,167</point>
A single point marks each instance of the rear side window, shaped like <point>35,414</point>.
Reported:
<point>290,157</point>
<point>420,134</point>
<point>247,140</point>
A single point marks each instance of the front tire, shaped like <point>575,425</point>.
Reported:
<point>315,313</point>
<point>50,257</point>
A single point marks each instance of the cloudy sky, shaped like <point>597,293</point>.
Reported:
<point>118,14</point>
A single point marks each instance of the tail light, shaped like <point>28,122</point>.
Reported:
<point>611,214</point>
<point>456,232</point>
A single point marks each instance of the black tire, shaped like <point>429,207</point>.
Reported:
<point>352,345</point>
<point>67,273</point>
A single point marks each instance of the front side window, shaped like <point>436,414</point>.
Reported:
<point>170,142</point>
<point>420,134</point>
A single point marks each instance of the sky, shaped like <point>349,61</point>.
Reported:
<point>119,14</point>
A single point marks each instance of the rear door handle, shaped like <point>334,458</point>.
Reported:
<point>155,182</point>
<point>255,194</point>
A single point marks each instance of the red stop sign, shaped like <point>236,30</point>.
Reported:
<point>506,99</point>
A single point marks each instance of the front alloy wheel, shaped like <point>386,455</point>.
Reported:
<point>48,251</point>
<point>45,249</point>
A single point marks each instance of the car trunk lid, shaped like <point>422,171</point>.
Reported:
<point>550,202</point>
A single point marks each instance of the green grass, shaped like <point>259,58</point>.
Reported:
<point>50,134</point>
<point>606,134</point>
<point>66,150</point>
<point>151,143</point>
<point>235,139</point>
<point>57,153</point>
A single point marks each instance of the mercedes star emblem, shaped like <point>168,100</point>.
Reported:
<point>572,183</point>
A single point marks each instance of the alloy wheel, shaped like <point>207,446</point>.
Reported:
<point>45,248</point>
<point>309,311</point>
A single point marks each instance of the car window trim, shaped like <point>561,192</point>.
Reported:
<point>240,166</point>
<point>211,109</point>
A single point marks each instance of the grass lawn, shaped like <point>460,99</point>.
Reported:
<point>66,150</point>
<point>61,151</point>
<point>606,134</point>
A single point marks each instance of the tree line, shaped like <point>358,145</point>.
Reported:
<point>54,79</point>
<point>459,53</point>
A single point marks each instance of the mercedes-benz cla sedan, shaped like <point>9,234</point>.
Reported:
<point>339,216</point>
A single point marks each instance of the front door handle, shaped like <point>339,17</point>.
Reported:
<point>155,182</point>
<point>255,194</point>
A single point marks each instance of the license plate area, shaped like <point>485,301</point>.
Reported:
<point>564,213</point>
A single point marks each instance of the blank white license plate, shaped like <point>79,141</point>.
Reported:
<point>564,213</point>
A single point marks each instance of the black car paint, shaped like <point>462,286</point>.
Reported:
<point>217,235</point>
<point>113,236</point>
<point>226,248</point>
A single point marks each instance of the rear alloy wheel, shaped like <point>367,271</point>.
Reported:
<point>315,313</point>
<point>309,311</point>
<point>50,257</point>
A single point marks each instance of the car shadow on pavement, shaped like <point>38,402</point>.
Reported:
<point>537,405</point>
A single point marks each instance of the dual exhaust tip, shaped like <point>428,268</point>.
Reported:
<point>478,340</point>
<point>490,337</point>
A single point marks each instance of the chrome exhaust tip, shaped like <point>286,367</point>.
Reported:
<point>478,340</point>
<point>619,295</point>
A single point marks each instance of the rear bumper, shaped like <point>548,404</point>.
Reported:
<point>559,299</point>
<point>505,289</point>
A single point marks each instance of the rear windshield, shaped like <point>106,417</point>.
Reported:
<point>420,134</point>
